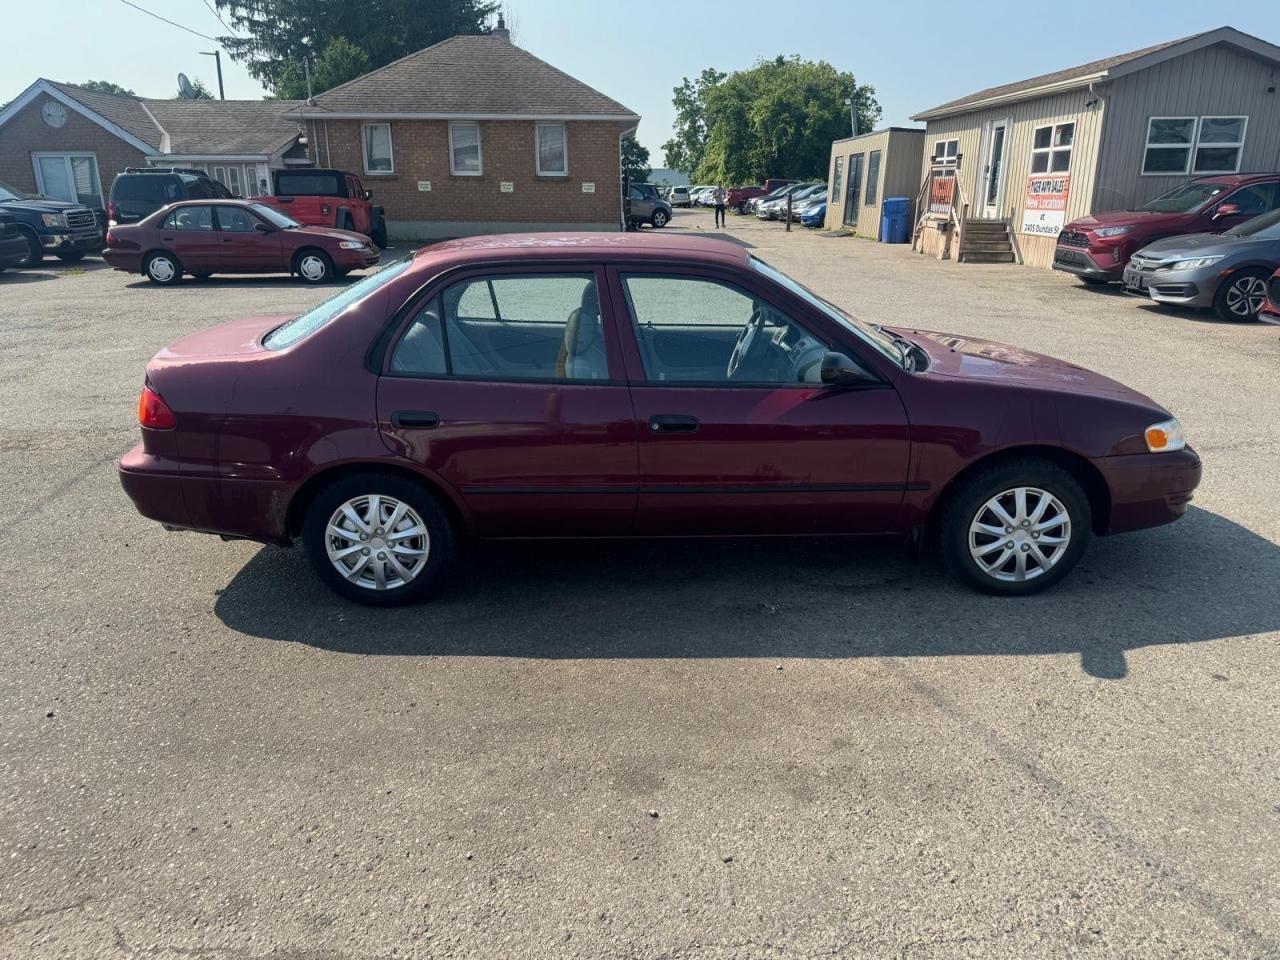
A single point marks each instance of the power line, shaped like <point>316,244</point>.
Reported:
<point>218,15</point>
<point>204,36</point>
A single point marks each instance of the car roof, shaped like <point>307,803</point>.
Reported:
<point>1237,177</point>
<point>586,247</point>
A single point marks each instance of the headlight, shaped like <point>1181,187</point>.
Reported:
<point>1112,231</point>
<point>351,245</point>
<point>1193,263</point>
<point>1165,437</point>
<point>54,219</point>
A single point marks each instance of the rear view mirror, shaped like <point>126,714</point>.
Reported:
<point>263,228</point>
<point>1226,210</point>
<point>839,371</point>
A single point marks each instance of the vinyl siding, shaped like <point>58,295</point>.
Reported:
<point>899,175</point>
<point>1215,81</point>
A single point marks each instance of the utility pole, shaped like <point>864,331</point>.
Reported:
<point>853,114</point>
<point>217,59</point>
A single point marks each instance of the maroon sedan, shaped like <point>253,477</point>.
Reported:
<point>630,385</point>
<point>203,237</point>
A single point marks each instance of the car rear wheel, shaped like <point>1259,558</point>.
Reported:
<point>1015,528</point>
<point>313,266</point>
<point>163,269</point>
<point>659,218</point>
<point>1241,296</point>
<point>379,539</point>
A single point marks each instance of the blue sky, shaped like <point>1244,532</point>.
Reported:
<point>916,54</point>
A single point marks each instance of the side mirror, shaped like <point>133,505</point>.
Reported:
<point>263,228</point>
<point>1226,210</point>
<point>839,371</point>
<point>367,194</point>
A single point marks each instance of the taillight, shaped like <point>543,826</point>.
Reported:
<point>153,412</point>
<point>110,238</point>
<point>112,215</point>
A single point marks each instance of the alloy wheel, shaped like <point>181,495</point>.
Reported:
<point>1019,534</point>
<point>1246,296</point>
<point>377,542</point>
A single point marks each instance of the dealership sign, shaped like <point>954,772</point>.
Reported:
<point>1045,211</point>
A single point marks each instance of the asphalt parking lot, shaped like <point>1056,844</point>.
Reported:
<point>705,750</point>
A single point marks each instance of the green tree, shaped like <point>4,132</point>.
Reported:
<point>776,119</point>
<point>685,148</point>
<point>340,61</point>
<point>198,91</point>
<point>105,86</point>
<point>273,36</point>
<point>635,160</point>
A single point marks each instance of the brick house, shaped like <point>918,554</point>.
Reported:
<point>475,135</point>
<point>69,142</point>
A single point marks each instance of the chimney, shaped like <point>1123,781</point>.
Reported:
<point>501,31</point>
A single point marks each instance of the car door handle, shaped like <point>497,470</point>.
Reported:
<point>673,423</point>
<point>415,419</point>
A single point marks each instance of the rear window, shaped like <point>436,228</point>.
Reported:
<point>302,326</point>
<point>309,184</point>
<point>154,188</point>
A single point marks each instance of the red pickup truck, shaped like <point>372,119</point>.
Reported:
<point>328,198</point>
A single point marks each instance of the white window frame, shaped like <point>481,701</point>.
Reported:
<point>479,149</point>
<point>537,150</point>
<point>66,156</point>
<point>1193,147</point>
<point>1051,149</point>
<point>943,158</point>
<point>364,148</point>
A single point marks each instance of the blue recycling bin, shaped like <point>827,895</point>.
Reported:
<point>894,218</point>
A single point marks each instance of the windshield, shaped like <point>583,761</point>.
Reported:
<point>10,193</point>
<point>274,216</point>
<point>864,331</point>
<point>1265,227</point>
<point>291,331</point>
<point>1183,199</point>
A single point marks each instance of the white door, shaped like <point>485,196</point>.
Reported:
<point>993,170</point>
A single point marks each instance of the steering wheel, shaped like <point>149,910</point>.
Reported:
<point>747,339</point>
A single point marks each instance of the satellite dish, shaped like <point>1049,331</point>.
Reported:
<point>185,89</point>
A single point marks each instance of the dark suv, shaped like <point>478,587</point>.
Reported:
<point>141,191</point>
<point>1097,247</point>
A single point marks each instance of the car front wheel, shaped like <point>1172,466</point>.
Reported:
<point>1241,297</point>
<point>1015,528</point>
<point>314,266</point>
<point>659,218</point>
<point>379,539</point>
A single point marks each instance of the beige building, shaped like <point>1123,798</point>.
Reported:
<point>866,169</point>
<point>1028,157</point>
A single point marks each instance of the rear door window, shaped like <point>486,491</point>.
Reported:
<point>190,219</point>
<point>158,189</point>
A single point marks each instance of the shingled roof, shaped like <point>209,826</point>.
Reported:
<point>1097,69</point>
<point>124,111</point>
<point>468,76</point>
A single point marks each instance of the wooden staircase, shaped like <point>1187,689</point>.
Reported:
<point>986,241</point>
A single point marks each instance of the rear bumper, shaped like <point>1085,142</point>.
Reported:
<point>1150,489</point>
<point>129,260</point>
<point>246,509</point>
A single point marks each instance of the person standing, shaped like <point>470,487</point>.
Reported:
<point>719,197</point>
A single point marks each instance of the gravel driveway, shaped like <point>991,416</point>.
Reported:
<point>701,750</point>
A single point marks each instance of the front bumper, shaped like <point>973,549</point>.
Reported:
<point>1149,489</point>
<point>71,243</point>
<point>1081,262</point>
<point>1183,288</point>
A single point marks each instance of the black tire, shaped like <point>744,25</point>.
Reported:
<point>379,236</point>
<point>441,543</point>
<point>659,219</point>
<point>1094,281</point>
<point>1245,289</point>
<point>75,256</point>
<point>35,252</point>
<point>154,270</point>
<point>967,504</point>
<point>313,266</point>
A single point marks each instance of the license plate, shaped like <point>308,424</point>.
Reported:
<point>1136,282</point>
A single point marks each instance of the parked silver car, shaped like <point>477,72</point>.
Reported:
<point>1226,272</point>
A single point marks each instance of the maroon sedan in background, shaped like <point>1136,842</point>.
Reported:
<point>204,237</point>
<point>593,385</point>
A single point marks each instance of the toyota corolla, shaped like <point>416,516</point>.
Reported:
<point>592,385</point>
